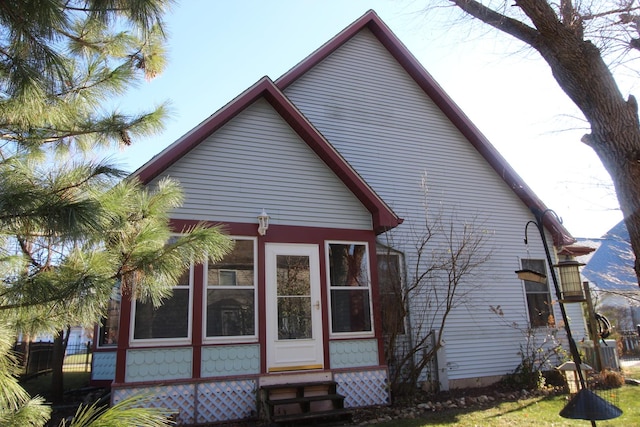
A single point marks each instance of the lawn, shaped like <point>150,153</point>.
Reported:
<point>538,411</point>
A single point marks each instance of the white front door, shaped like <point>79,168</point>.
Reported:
<point>294,312</point>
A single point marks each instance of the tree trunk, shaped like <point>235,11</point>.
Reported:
<point>578,67</point>
<point>57,381</point>
<point>615,130</point>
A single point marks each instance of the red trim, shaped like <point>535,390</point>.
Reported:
<point>196,327</point>
<point>275,234</point>
<point>123,336</point>
<point>383,217</point>
<point>280,233</point>
<point>324,300</point>
<point>101,383</point>
<point>375,300</point>
<point>262,301</point>
<point>575,250</point>
<point>413,67</point>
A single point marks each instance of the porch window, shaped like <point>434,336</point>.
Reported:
<point>110,324</point>
<point>390,279</point>
<point>350,287</point>
<point>171,319</point>
<point>538,297</point>
<point>230,300</point>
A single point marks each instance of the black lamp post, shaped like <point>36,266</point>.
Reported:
<point>585,405</point>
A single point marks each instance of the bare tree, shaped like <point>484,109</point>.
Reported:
<point>445,264</point>
<point>581,40</point>
<point>540,351</point>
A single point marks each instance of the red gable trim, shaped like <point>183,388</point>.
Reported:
<point>372,21</point>
<point>383,217</point>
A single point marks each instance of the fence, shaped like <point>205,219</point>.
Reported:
<point>40,359</point>
<point>630,344</point>
<point>608,354</point>
<point>78,358</point>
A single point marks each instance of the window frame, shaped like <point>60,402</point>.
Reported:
<point>116,301</point>
<point>330,288</point>
<point>387,251</point>
<point>140,342</point>
<point>547,293</point>
<point>205,288</point>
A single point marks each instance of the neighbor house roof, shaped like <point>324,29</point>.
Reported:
<point>373,23</point>
<point>383,217</point>
<point>611,266</point>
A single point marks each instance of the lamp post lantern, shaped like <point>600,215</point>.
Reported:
<point>585,404</point>
<point>570,281</point>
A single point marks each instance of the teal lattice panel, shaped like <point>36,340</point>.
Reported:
<point>363,388</point>
<point>226,400</point>
<point>179,398</point>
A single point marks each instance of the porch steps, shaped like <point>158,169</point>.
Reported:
<point>311,402</point>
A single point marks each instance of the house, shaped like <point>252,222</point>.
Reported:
<point>349,154</point>
<point>609,271</point>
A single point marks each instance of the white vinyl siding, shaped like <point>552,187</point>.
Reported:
<point>255,162</point>
<point>392,133</point>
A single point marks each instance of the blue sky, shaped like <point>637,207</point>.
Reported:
<point>219,48</point>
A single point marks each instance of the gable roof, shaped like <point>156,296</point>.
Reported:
<point>373,23</point>
<point>383,217</point>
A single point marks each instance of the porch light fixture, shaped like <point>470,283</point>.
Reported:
<point>585,404</point>
<point>570,281</point>
<point>263,223</point>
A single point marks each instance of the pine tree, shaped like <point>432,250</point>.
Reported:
<point>70,228</point>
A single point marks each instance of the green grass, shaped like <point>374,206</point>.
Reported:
<point>538,411</point>
<point>77,363</point>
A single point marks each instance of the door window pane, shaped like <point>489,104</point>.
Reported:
<point>294,297</point>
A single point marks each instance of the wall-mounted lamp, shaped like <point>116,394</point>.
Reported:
<point>263,223</point>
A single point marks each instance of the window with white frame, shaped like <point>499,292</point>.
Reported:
<point>350,287</point>
<point>538,296</point>
<point>231,293</point>
<point>169,321</point>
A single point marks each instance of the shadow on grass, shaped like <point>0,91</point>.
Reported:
<point>477,414</point>
<point>41,385</point>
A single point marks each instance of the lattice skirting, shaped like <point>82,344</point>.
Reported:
<point>200,402</point>
<point>363,388</point>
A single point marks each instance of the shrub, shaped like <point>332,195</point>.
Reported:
<point>607,379</point>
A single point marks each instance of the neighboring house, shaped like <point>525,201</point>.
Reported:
<point>337,151</point>
<point>609,271</point>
